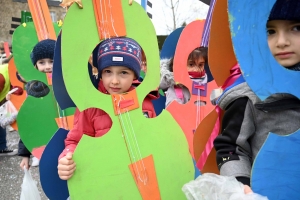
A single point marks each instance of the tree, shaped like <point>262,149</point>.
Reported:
<point>178,13</point>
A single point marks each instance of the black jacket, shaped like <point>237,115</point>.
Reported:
<point>22,150</point>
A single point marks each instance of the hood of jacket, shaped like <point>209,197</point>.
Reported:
<point>274,102</point>
<point>166,76</point>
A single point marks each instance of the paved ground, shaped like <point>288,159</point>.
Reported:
<point>11,175</point>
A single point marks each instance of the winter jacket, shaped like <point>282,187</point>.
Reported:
<point>168,84</point>
<point>22,150</point>
<point>95,122</point>
<point>5,85</point>
<point>246,123</point>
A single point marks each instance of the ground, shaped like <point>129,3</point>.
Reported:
<point>11,175</point>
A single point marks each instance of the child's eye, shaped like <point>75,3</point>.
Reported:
<point>124,72</point>
<point>106,71</point>
<point>191,64</point>
<point>270,32</point>
<point>296,28</point>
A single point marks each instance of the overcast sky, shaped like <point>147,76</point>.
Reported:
<point>189,10</point>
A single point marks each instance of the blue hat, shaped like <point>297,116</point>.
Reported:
<point>120,52</point>
<point>43,49</point>
<point>285,10</point>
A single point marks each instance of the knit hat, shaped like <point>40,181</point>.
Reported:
<point>37,88</point>
<point>285,10</point>
<point>43,49</point>
<point>119,52</point>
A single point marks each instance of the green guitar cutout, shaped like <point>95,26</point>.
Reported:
<point>102,164</point>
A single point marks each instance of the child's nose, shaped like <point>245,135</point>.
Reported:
<point>282,40</point>
<point>49,65</point>
<point>115,80</point>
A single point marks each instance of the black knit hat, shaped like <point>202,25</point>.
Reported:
<point>286,10</point>
<point>37,88</point>
<point>43,49</point>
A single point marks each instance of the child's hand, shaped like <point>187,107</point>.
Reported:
<point>8,97</point>
<point>66,167</point>
<point>247,189</point>
<point>25,163</point>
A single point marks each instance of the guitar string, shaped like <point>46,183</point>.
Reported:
<point>133,135</point>
<point>133,148</point>
<point>123,135</point>
<point>106,21</point>
<point>112,20</point>
<point>40,17</point>
<point>137,158</point>
<point>198,108</point>
<point>130,146</point>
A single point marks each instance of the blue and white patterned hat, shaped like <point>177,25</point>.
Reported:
<point>120,52</point>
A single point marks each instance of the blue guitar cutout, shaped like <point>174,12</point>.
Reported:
<point>53,186</point>
<point>276,169</point>
<point>260,69</point>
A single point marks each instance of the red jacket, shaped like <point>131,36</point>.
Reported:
<point>95,122</point>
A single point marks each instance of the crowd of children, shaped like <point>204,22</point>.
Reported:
<point>247,120</point>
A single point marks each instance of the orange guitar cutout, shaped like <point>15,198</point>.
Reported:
<point>15,99</point>
<point>125,102</point>
<point>189,115</point>
<point>43,24</point>
<point>66,122</point>
<point>145,178</point>
<point>42,19</point>
<point>225,57</point>
<point>105,13</point>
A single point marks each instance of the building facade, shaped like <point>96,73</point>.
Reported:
<point>10,15</point>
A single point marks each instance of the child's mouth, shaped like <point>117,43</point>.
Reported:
<point>284,55</point>
<point>115,89</point>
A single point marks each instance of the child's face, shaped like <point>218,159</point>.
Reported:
<point>45,65</point>
<point>196,65</point>
<point>117,79</point>
<point>284,41</point>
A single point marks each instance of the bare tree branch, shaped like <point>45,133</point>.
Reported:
<point>173,15</point>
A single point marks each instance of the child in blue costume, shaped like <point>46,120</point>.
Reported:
<point>247,120</point>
